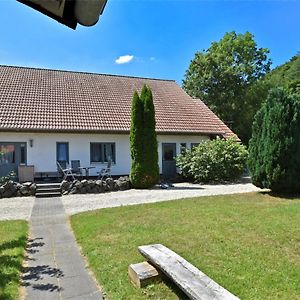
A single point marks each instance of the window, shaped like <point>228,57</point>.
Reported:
<point>7,153</point>
<point>62,152</point>
<point>103,152</point>
<point>182,147</point>
<point>194,145</point>
<point>23,154</point>
<point>169,152</point>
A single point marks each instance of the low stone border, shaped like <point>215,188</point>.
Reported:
<point>95,186</point>
<point>15,189</point>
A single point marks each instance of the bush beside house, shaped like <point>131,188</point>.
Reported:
<point>214,161</point>
<point>274,148</point>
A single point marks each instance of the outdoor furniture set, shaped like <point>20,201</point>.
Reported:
<point>76,170</point>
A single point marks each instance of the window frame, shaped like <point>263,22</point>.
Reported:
<point>183,147</point>
<point>68,151</point>
<point>193,145</point>
<point>17,152</point>
<point>102,154</point>
<point>23,146</point>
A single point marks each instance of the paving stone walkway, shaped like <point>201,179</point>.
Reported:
<point>54,267</point>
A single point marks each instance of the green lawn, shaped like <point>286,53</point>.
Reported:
<point>13,235</point>
<point>248,243</point>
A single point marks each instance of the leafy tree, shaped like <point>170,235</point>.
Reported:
<point>222,75</point>
<point>286,75</point>
<point>274,148</point>
<point>214,161</point>
<point>143,142</point>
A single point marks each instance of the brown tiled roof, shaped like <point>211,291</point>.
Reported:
<point>63,101</point>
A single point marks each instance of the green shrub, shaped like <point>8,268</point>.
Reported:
<point>143,142</point>
<point>274,148</point>
<point>10,176</point>
<point>214,161</point>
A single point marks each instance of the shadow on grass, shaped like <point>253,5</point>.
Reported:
<point>174,288</point>
<point>11,264</point>
<point>177,188</point>
<point>286,196</point>
<point>183,188</point>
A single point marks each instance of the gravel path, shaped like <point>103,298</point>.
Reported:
<point>80,203</point>
<point>18,208</point>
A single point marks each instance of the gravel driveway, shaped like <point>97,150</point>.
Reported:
<point>20,208</point>
<point>79,203</point>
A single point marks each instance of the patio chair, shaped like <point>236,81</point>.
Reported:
<point>75,165</point>
<point>67,172</point>
<point>63,164</point>
<point>105,172</point>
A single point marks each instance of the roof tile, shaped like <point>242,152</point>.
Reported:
<point>52,100</point>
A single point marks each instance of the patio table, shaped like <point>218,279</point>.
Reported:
<point>87,170</point>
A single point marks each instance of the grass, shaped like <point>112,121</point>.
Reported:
<point>248,243</point>
<point>13,236</point>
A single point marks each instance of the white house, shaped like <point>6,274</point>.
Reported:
<point>50,115</point>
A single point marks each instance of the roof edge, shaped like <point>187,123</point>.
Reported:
<point>74,131</point>
<point>88,73</point>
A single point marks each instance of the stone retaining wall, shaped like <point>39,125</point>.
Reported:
<point>16,189</point>
<point>95,186</point>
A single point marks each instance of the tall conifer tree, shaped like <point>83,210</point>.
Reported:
<point>274,148</point>
<point>143,142</point>
<point>150,139</point>
<point>136,133</point>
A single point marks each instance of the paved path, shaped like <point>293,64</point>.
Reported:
<point>55,269</point>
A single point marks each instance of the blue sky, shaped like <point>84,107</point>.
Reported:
<point>161,35</point>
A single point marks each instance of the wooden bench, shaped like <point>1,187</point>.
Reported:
<point>194,283</point>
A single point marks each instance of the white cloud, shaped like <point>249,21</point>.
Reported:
<point>152,58</point>
<point>124,59</point>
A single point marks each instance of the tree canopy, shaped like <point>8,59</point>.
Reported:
<point>286,75</point>
<point>222,75</point>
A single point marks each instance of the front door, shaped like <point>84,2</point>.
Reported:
<point>12,154</point>
<point>168,159</point>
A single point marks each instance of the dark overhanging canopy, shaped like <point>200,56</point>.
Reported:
<point>69,12</point>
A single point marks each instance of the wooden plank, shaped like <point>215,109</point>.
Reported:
<point>194,283</point>
<point>142,274</point>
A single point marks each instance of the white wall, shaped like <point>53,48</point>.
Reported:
<point>43,152</point>
<point>177,139</point>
